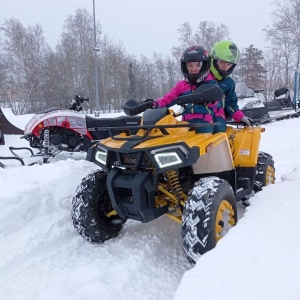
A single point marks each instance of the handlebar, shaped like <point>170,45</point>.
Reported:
<point>204,94</point>
<point>76,102</point>
<point>80,99</point>
<point>133,107</point>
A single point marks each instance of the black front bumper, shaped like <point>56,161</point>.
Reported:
<point>132,195</point>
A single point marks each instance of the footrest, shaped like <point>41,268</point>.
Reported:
<point>244,182</point>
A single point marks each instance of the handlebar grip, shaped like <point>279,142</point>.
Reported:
<point>133,108</point>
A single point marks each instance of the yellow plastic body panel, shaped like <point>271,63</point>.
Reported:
<point>176,135</point>
<point>238,147</point>
<point>244,145</point>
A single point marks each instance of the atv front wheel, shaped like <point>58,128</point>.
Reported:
<point>265,171</point>
<point>209,212</point>
<point>91,210</point>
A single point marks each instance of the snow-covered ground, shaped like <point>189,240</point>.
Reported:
<point>43,256</point>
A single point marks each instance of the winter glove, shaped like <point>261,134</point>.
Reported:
<point>147,103</point>
<point>247,121</point>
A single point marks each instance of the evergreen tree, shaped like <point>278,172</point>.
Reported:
<point>250,68</point>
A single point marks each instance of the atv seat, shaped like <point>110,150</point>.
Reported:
<point>113,122</point>
<point>94,125</point>
<point>151,117</point>
<point>49,110</point>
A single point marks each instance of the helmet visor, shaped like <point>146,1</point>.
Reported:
<point>228,55</point>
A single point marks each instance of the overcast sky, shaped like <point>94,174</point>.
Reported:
<point>147,26</point>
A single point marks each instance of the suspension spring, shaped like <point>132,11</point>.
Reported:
<point>173,180</point>
<point>46,145</point>
<point>46,138</point>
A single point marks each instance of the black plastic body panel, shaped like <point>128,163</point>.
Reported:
<point>132,195</point>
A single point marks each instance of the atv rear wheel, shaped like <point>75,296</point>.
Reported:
<point>91,208</point>
<point>209,212</point>
<point>265,171</point>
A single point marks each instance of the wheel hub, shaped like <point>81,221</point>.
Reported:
<point>224,219</point>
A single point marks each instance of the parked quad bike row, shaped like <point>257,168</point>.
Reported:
<point>55,130</point>
<point>157,165</point>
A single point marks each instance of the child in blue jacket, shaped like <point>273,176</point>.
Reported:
<point>224,57</point>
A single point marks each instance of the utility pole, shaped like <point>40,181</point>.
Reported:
<point>96,50</point>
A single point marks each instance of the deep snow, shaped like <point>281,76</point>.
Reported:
<point>43,257</point>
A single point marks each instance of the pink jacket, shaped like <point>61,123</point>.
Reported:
<point>184,88</point>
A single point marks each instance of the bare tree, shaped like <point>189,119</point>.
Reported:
<point>173,73</point>
<point>160,73</point>
<point>284,35</point>
<point>206,35</point>
<point>275,77</point>
<point>4,69</point>
<point>113,70</point>
<point>33,76</point>
<point>23,53</point>
<point>75,56</point>
<point>146,78</point>
<point>186,38</point>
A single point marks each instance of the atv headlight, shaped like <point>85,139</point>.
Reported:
<point>167,159</point>
<point>169,156</point>
<point>101,155</point>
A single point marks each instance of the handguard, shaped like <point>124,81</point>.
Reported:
<point>203,94</point>
<point>133,107</point>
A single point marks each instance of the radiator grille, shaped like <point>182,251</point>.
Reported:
<point>133,159</point>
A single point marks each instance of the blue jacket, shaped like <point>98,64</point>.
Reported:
<point>231,108</point>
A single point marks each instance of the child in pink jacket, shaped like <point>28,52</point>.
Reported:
<point>195,64</point>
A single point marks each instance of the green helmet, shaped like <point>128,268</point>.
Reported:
<point>226,51</point>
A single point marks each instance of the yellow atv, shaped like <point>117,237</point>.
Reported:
<point>166,168</point>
